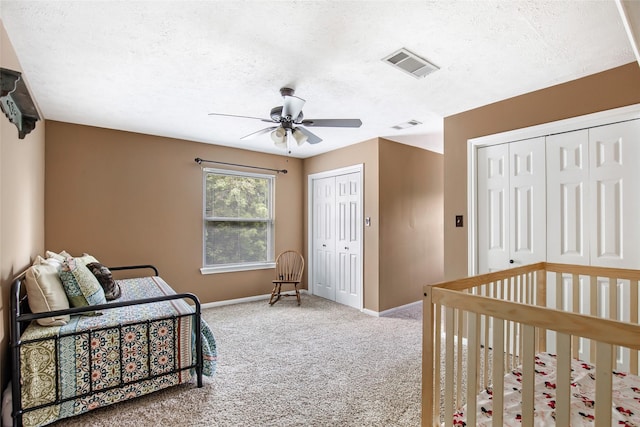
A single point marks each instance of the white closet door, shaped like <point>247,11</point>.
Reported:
<point>348,221</point>
<point>493,208</point>
<point>527,226</point>
<point>511,205</point>
<point>568,217</point>
<point>324,239</point>
<point>615,176</point>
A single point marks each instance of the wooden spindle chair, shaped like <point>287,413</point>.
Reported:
<point>289,268</point>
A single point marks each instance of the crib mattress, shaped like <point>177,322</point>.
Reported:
<point>123,348</point>
<point>625,396</point>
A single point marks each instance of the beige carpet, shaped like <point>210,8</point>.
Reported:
<point>320,364</point>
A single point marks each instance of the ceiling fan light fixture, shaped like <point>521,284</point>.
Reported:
<point>279,137</point>
<point>299,136</point>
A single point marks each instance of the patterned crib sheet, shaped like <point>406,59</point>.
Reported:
<point>625,397</point>
<point>110,355</point>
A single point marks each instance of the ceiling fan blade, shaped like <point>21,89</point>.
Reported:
<point>312,138</point>
<point>242,117</point>
<point>292,106</point>
<point>260,132</point>
<point>337,123</point>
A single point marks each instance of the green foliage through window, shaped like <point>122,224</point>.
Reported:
<point>238,218</point>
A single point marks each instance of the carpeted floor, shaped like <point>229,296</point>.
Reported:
<point>320,364</point>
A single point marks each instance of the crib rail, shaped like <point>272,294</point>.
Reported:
<point>590,313</point>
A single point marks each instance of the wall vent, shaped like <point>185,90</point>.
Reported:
<point>410,63</point>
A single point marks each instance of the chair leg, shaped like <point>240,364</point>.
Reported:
<point>275,294</point>
<point>297,293</point>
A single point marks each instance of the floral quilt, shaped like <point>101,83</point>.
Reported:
<point>106,359</point>
<point>625,396</point>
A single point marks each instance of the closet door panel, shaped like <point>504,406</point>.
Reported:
<point>568,219</point>
<point>527,229</point>
<point>493,208</point>
<point>324,244</point>
<point>348,290</point>
<point>614,179</point>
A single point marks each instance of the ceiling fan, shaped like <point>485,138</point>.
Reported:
<point>289,120</point>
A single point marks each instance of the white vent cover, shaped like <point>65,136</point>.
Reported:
<point>406,125</point>
<point>410,63</point>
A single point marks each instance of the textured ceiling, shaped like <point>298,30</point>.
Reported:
<point>159,67</point>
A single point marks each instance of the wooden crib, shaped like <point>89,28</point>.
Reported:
<point>566,313</point>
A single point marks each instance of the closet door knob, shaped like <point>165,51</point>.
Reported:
<point>511,261</point>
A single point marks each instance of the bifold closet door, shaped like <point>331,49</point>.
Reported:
<point>324,238</point>
<point>337,238</point>
<point>511,204</point>
<point>348,222</point>
<point>592,196</point>
<point>614,152</point>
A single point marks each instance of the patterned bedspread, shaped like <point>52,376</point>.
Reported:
<point>626,396</point>
<point>106,355</point>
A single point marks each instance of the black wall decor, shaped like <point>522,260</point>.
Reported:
<point>16,103</point>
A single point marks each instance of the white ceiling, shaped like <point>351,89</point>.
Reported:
<point>159,67</point>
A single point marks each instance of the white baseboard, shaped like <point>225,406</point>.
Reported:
<point>240,300</point>
<point>391,310</point>
<point>305,291</point>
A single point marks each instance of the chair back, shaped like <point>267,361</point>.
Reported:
<point>289,266</point>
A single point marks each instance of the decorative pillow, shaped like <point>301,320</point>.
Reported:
<point>60,257</point>
<point>46,293</point>
<point>80,284</point>
<point>104,276</point>
<point>86,259</point>
<point>48,261</point>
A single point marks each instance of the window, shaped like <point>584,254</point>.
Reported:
<point>238,221</point>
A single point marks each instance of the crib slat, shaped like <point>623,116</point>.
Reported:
<point>430,331</point>
<point>449,366</point>
<point>593,302</point>
<point>472,369</point>
<point>497,382</point>
<point>604,360</point>
<point>613,307</point>
<point>575,307</point>
<point>437,364</point>
<point>613,298</point>
<point>559,293</point>
<point>633,318</point>
<point>563,385</point>
<point>541,300</point>
<point>528,374</point>
<point>459,336</point>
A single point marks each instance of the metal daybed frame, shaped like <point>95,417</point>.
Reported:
<point>21,317</point>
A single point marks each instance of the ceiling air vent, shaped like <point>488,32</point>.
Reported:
<point>406,125</point>
<point>410,63</point>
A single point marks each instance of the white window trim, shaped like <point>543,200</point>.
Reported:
<point>228,268</point>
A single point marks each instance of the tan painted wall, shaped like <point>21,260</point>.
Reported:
<point>603,91</point>
<point>411,228</point>
<point>21,202</point>
<point>129,198</point>
<point>365,153</point>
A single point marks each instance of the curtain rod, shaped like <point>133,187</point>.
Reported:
<point>200,161</point>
